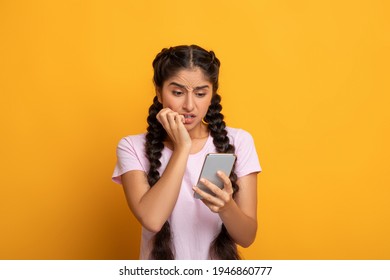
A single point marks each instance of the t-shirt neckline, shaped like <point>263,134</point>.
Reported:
<point>201,151</point>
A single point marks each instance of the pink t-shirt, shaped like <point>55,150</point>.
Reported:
<point>193,225</point>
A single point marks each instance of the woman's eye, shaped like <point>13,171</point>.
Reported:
<point>200,94</point>
<point>177,93</point>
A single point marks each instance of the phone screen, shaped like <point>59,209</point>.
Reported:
<point>212,164</point>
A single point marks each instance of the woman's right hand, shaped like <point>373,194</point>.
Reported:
<point>173,124</point>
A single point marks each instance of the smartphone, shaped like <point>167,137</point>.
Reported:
<point>212,163</point>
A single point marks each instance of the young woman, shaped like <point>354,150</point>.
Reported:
<point>159,169</point>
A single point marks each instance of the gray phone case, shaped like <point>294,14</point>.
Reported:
<point>211,164</point>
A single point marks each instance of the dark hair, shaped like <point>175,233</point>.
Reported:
<point>166,64</point>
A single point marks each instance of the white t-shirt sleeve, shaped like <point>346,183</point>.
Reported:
<point>127,158</point>
<point>247,159</point>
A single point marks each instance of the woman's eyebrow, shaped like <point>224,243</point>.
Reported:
<point>184,87</point>
<point>177,85</point>
<point>201,87</point>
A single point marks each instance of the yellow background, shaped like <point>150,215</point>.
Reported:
<point>308,79</point>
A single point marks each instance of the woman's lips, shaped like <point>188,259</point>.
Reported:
<point>189,118</point>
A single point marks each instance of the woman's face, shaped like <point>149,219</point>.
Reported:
<point>188,93</point>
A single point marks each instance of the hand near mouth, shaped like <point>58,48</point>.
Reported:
<point>173,124</point>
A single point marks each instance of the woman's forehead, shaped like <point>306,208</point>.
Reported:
<point>193,78</point>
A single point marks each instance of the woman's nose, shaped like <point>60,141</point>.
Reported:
<point>188,102</point>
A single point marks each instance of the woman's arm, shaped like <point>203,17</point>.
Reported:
<point>153,206</point>
<point>239,215</point>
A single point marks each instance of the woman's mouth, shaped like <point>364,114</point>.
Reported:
<point>189,118</point>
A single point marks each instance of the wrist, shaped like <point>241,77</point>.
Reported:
<point>185,147</point>
<point>228,209</point>
<point>182,149</point>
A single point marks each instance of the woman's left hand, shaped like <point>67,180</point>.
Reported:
<point>223,197</point>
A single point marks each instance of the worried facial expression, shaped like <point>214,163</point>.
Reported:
<point>188,93</point>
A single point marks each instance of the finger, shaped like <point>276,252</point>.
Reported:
<point>210,200</point>
<point>213,188</point>
<point>162,115</point>
<point>200,192</point>
<point>180,119</point>
<point>163,111</point>
<point>210,185</point>
<point>167,118</point>
<point>214,208</point>
<point>171,117</point>
<point>226,182</point>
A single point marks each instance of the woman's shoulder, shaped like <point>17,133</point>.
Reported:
<point>133,140</point>
<point>138,137</point>
<point>238,133</point>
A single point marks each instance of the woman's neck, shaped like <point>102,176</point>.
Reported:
<point>199,132</point>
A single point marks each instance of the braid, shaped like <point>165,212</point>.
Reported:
<point>154,144</point>
<point>223,247</point>
<point>153,147</point>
